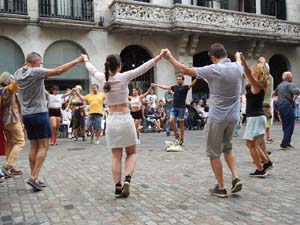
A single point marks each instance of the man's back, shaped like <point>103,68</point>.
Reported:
<point>31,90</point>
<point>286,91</point>
<point>225,83</point>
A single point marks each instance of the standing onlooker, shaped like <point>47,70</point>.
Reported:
<point>286,92</point>
<point>297,102</point>
<point>95,112</point>
<point>151,98</point>
<point>224,80</point>
<point>268,101</point>
<point>177,112</point>
<point>12,124</point>
<point>30,79</point>
<point>169,95</point>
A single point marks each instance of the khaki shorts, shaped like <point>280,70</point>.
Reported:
<point>218,137</point>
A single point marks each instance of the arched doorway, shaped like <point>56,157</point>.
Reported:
<point>278,64</point>
<point>60,52</point>
<point>132,57</point>
<point>201,90</point>
<point>11,56</point>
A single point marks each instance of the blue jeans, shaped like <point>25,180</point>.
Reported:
<point>168,112</point>
<point>288,123</point>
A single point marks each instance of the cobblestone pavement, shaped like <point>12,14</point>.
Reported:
<point>168,188</point>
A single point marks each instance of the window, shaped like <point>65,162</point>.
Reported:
<point>206,3</point>
<point>274,8</point>
<point>239,5</point>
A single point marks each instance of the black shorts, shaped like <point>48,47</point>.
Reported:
<point>54,112</point>
<point>137,115</point>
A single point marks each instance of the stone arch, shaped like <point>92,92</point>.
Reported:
<point>201,90</point>
<point>11,55</point>
<point>60,52</point>
<point>278,64</point>
<point>133,56</point>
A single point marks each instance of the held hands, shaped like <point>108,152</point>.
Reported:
<point>165,53</point>
<point>153,85</point>
<point>84,57</point>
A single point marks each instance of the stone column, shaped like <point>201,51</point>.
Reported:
<point>217,4</point>
<point>292,10</point>
<point>258,6</point>
<point>33,9</point>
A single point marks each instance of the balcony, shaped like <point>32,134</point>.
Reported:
<point>67,13</point>
<point>13,11</point>
<point>195,19</point>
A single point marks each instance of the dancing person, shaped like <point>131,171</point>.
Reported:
<point>95,112</point>
<point>225,81</point>
<point>286,92</point>
<point>268,101</point>
<point>136,108</point>
<point>169,95</point>
<point>12,124</point>
<point>258,78</point>
<point>120,129</point>
<point>55,101</point>
<point>77,105</point>
<point>30,79</point>
<point>177,112</point>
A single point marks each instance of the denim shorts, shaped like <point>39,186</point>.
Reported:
<point>178,113</point>
<point>94,120</point>
<point>37,126</point>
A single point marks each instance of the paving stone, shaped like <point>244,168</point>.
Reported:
<point>167,188</point>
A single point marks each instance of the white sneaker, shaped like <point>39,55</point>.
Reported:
<point>97,141</point>
<point>138,142</point>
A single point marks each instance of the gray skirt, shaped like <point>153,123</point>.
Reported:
<point>120,130</point>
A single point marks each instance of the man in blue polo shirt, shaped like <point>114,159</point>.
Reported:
<point>177,112</point>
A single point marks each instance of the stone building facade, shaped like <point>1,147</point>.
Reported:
<point>61,29</point>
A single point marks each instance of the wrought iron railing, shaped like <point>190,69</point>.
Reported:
<point>13,6</point>
<point>67,9</point>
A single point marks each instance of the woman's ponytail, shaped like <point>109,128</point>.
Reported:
<point>106,86</point>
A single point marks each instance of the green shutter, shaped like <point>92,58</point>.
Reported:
<point>11,56</point>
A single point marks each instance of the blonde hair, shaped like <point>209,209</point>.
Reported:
<point>262,75</point>
<point>6,78</point>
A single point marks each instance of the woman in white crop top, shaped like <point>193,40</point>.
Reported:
<point>120,129</point>
<point>136,108</point>
<point>55,101</point>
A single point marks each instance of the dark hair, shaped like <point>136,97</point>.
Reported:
<point>111,65</point>
<point>32,57</point>
<point>54,87</point>
<point>180,76</point>
<point>136,88</point>
<point>217,50</point>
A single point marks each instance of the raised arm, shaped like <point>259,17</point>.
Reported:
<point>92,69</point>
<point>132,74</point>
<point>147,92</point>
<point>67,94</point>
<point>179,66</point>
<point>64,68</point>
<point>166,87</point>
<point>193,83</point>
<point>255,86</point>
